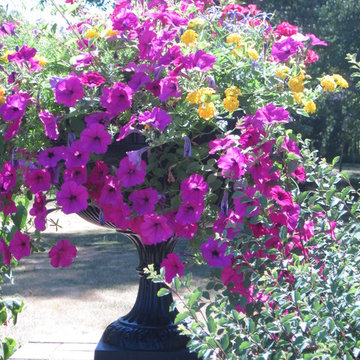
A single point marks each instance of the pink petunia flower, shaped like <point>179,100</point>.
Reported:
<point>49,123</point>
<point>72,197</point>
<point>62,254</point>
<point>14,107</point>
<point>77,174</point>
<point>20,245</point>
<point>95,138</point>
<point>39,207</point>
<point>214,253</point>
<point>173,266</point>
<point>299,174</point>
<point>12,129</point>
<point>92,79</point>
<point>26,53</point>
<point>282,197</point>
<point>157,118</point>
<point>155,229</point>
<point>37,180</point>
<point>270,113</point>
<point>285,29</point>
<point>51,156</point>
<point>69,91</point>
<point>144,201</point>
<point>76,155</point>
<point>111,191</point>
<point>290,146</point>
<point>7,176</point>
<point>221,144</point>
<point>232,163</point>
<point>283,50</point>
<point>117,99</point>
<point>189,212</point>
<point>7,205</point>
<point>169,88</point>
<point>138,80</point>
<point>4,250</point>
<point>194,188</point>
<point>130,174</point>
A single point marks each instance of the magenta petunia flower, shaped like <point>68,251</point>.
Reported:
<point>26,53</point>
<point>77,174</point>
<point>125,21</point>
<point>171,55</point>
<point>299,174</point>
<point>69,91</point>
<point>14,107</point>
<point>221,144</point>
<point>194,188</point>
<point>83,60</point>
<point>7,176</point>
<point>311,57</point>
<point>50,126</point>
<point>51,156</point>
<point>76,154</point>
<point>316,41</point>
<point>37,180</point>
<point>144,200</point>
<point>232,163</point>
<point>111,191</point>
<point>95,139</point>
<point>200,60</point>
<point>12,129</point>
<point>138,80</point>
<point>7,205</point>
<point>157,118</point>
<point>8,28</point>
<point>92,79</point>
<point>169,88</point>
<point>72,197</point>
<point>214,253</point>
<point>282,197</point>
<point>189,212</point>
<point>101,118</point>
<point>39,206</point>
<point>118,214</point>
<point>117,99</point>
<point>291,146</point>
<point>149,46</point>
<point>5,252</point>
<point>127,129</point>
<point>62,254</point>
<point>155,229</point>
<point>20,245</point>
<point>282,50</point>
<point>270,113</point>
<point>131,174</point>
<point>173,266</point>
<point>286,29</point>
<point>154,87</point>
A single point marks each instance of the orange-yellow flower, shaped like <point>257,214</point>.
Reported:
<point>207,110</point>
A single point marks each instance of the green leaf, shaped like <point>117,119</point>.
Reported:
<point>181,317</point>
<point>19,218</point>
<point>224,341</point>
<point>245,345</point>
<point>163,292</point>
<point>211,325</point>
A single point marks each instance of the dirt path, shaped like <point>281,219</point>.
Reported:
<point>75,303</point>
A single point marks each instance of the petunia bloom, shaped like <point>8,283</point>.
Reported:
<point>37,180</point>
<point>194,188</point>
<point>214,253</point>
<point>49,123</point>
<point>20,245</point>
<point>144,200</point>
<point>69,91</point>
<point>155,229</point>
<point>173,266</point>
<point>14,107</point>
<point>72,197</point>
<point>62,254</point>
<point>95,138</point>
<point>117,99</point>
<point>232,163</point>
<point>130,174</point>
<point>283,50</point>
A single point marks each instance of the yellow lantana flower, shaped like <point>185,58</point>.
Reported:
<point>233,38</point>
<point>310,107</point>
<point>328,83</point>
<point>254,54</point>
<point>231,103</point>
<point>194,22</point>
<point>111,33</point>
<point>340,81</point>
<point>193,97</point>
<point>282,72</point>
<point>42,61</point>
<point>296,83</point>
<point>298,96</point>
<point>207,110</point>
<point>233,91</point>
<point>91,33</point>
<point>188,37</point>
<point>2,95</point>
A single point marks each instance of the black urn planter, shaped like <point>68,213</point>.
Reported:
<point>148,331</point>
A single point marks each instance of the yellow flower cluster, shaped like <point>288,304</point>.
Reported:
<point>296,83</point>
<point>111,33</point>
<point>328,83</point>
<point>282,72</point>
<point>254,54</point>
<point>42,61</point>
<point>233,38</point>
<point>4,57</point>
<point>340,81</point>
<point>188,37</point>
<point>310,107</point>
<point>195,22</point>
<point>91,33</point>
<point>2,95</point>
<point>231,101</point>
<point>207,110</point>
<point>203,97</point>
<point>298,96</point>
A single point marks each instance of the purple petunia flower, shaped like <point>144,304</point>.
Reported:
<point>92,79</point>
<point>232,163</point>
<point>117,99</point>
<point>72,197</point>
<point>76,154</point>
<point>173,266</point>
<point>131,174</point>
<point>62,254</point>
<point>95,138</point>
<point>69,91</point>
<point>169,88</point>
<point>270,113</point>
<point>189,212</point>
<point>138,80</point>
<point>155,229</point>
<point>26,53</point>
<point>282,50</point>
<point>20,245</point>
<point>51,156</point>
<point>14,107</point>
<point>214,253</point>
<point>144,200</point>
<point>194,188</point>
<point>157,118</point>
<point>37,180</point>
